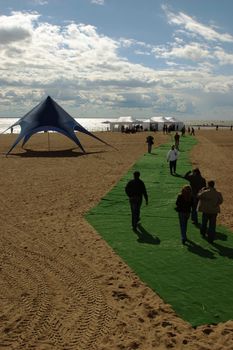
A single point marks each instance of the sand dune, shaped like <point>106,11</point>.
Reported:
<point>61,285</point>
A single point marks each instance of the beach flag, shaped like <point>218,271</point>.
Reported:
<point>48,115</point>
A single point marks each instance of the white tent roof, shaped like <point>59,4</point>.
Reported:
<point>171,119</point>
<point>159,119</point>
<point>126,119</point>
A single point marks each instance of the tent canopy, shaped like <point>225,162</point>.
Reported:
<point>48,115</point>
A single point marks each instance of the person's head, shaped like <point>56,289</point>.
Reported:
<point>173,146</point>
<point>211,183</point>
<point>186,192</point>
<point>136,174</point>
<point>196,171</point>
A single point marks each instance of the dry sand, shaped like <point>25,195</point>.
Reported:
<point>61,285</point>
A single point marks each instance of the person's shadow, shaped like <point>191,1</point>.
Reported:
<point>145,237</point>
<point>222,250</point>
<point>197,249</point>
<point>221,236</point>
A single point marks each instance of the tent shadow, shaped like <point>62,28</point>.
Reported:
<point>197,249</point>
<point>145,237</point>
<point>53,154</point>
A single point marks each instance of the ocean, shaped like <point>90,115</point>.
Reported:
<point>91,124</point>
<point>99,124</point>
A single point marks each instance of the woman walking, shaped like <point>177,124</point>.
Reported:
<point>183,207</point>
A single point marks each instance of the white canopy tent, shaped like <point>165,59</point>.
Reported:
<point>157,123</point>
<point>126,122</point>
<point>154,123</point>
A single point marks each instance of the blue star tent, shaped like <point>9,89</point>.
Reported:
<point>48,115</point>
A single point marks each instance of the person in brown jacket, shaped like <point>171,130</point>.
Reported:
<point>209,204</point>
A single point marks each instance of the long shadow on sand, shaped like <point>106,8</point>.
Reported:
<point>72,152</point>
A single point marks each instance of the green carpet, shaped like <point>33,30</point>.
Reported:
<point>196,280</point>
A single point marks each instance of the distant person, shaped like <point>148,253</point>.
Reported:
<point>12,129</point>
<point>231,128</point>
<point>183,207</point>
<point>136,190</point>
<point>197,182</point>
<point>192,132</point>
<point>172,157</point>
<point>177,140</point>
<point>217,127</point>
<point>150,142</point>
<point>209,204</point>
<point>183,131</point>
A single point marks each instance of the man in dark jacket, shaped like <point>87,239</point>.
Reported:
<point>136,190</point>
<point>197,182</point>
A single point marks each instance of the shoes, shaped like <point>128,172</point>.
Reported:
<point>184,241</point>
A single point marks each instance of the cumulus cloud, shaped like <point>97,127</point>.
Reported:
<point>223,57</point>
<point>192,51</point>
<point>16,27</point>
<point>97,2</point>
<point>81,67</point>
<point>193,26</point>
<point>39,2</point>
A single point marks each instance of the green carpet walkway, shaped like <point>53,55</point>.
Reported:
<point>196,279</point>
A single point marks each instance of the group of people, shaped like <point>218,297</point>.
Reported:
<point>197,196</point>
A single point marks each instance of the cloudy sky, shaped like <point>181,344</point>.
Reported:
<point>109,58</point>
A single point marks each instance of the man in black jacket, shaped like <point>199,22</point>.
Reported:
<point>136,190</point>
<point>197,182</point>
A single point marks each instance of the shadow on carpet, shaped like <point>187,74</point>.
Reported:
<point>195,279</point>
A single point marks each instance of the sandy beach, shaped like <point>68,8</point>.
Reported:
<point>61,285</point>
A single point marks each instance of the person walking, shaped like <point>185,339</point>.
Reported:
<point>209,204</point>
<point>197,182</point>
<point>150,142</point>
<point>177,140</point>
<point>183,207</point>
<point>136,190</point>
<point>172,157</point>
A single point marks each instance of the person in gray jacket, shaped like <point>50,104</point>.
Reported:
<point>209,204</point>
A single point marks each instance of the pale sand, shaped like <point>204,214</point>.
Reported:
<point>61,285</point>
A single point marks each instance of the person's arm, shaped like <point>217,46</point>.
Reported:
<point>220,198</point>
<point>144,192</point>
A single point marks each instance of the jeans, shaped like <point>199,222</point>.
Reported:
<point>135,205</point>
<point>183,219</point>
<point>210,221</point>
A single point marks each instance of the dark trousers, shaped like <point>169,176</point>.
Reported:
<point>194,214</point>
<point>210,221</point>
<point>135,205</point>
<point>183,219</point>
<point>149,147</point>
<point>172,165</point>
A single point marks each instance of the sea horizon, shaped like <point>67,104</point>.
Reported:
<point>100,124</point>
